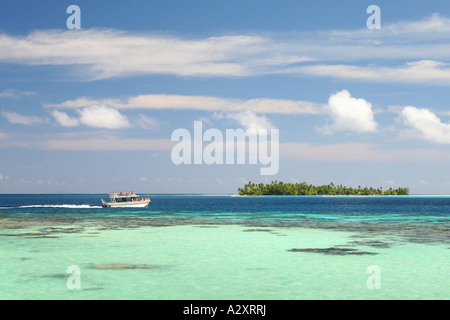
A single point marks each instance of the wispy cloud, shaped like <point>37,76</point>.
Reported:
<point>16,94</point>
<point>207,103</point>
<point>429,28</point>
<point>113,144</point>
<point>406,51</point>
<point>113,53</point>
<point>339,152</point>
<point>360,152</point>
<point>434,24</point>
<point>414,72</point>
<point>147,122</point>
<point>17,118</point>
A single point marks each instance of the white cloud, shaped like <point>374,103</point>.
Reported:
<point>16,118</point>
<point>1,177</point>
<point>427,124</point>
<point>64,119</point>
<point>349,114</point>
<point>101,116</point>
<point>250,120</point>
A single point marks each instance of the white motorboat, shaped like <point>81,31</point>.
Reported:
<point>126,199</point>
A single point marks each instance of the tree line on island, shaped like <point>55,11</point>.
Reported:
<point>304,189</point>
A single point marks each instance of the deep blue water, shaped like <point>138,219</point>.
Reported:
<point>423,209</point>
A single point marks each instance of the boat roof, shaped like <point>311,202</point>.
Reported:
<point>123,195</point>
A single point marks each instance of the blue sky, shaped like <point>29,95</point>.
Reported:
<point>93,110</point>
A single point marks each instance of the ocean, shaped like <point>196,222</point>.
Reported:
<point>225,247</point>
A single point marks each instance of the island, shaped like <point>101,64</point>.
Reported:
<point>304,189</point>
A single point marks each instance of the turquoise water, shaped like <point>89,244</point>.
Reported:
<point>230,254</point>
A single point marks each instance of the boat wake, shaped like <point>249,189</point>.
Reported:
<point>67,206</point>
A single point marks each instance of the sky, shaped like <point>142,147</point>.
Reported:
<point>93,109</point>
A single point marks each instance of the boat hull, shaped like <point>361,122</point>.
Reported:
<point>128,204</point>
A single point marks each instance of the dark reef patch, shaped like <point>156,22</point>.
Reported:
<point>370,243</point>
<point>333,251</point>
<point>122,266</point>
<point>257,230</point>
